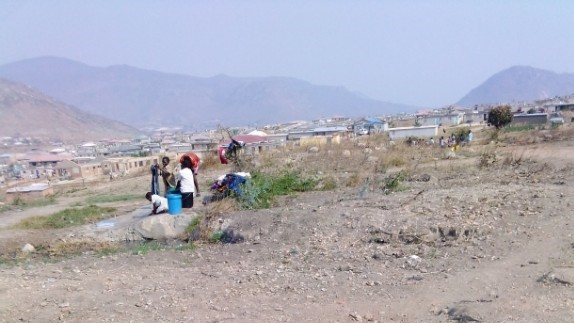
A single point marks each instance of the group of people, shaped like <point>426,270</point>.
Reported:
<point>453,142</point>
<point>180,179</point>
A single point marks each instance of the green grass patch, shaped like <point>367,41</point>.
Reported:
<point>194,224</point>
<point>260,190</point>
<point>518,128</point>
<point>97,199</point>
<point>217,236</point>
<point>187,246</point>
<point>67,218</point>
<point>146,247</point>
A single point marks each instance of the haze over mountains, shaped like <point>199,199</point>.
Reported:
<point>141,98</point>
<point>520,83</point>
<point>29,113</point>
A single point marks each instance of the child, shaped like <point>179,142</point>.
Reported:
<point>158,203</point>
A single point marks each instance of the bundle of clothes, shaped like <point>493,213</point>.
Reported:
<point>229,184</point>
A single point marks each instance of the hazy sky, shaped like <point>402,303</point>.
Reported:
<point>426,53</point>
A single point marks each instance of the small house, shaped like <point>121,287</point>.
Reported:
<point>29,193</point>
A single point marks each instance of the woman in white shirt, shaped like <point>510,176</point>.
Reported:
<point>185,183</point>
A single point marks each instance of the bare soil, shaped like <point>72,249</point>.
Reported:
<point>457,243</point>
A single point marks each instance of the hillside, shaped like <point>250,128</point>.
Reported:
<point>520,83</point>
<point>142,97</point>
<point>27,112</point>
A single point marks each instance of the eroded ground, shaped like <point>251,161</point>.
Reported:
<point>492,244</point>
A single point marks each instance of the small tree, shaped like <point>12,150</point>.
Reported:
<point>500,116</point>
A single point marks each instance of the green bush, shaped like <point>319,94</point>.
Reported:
<point>260,190</point>
<point>393,183</point>
<point>500,116</point>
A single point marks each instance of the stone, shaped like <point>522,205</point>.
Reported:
<point>413,261</point>
<point>346,153</point>
<point>461,314</point>
<point>562,276</point>
<point>28,248</point>
<point>164,226</point>
<point>368,151</point>
<point>314,149</point>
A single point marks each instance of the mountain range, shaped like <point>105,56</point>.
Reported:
<point>149,98</point>
<point>83,100</point>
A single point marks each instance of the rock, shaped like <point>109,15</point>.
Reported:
<point>346,153</point>
<point>562,276</point>
<point>164,226</point>
<point>460,314</point>
<point>449,154</point>
<point>413,261</point>
<point>28,248</point>
<point>314,149</point>
<point>368,151</point>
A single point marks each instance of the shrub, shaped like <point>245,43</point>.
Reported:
<point>260,190</point>
<point>329,183</point>
<point>500,116</point>
<point>392,183</point>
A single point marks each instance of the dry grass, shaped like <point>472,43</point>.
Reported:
<point>66,248</point>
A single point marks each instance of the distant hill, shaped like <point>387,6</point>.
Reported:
<point>520,83</point>
<point>27,112</point>
<point>143,98</point>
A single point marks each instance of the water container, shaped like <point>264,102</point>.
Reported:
<point>174,203</point>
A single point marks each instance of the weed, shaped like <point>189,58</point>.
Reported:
<point>259,191</point>
<point>146,247</point>
<point>393,182</point>
<point>67,248</point>
<point>353,180</point>
<point>67,218</point>
<point>329,183</point>
<point>217,236</point>
<point>187,246</point>
<point>194,224</point>
<point>396,161</point>
<point>513,160</point>
<point>487,158</point>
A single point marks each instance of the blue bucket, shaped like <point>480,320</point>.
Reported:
<point>174,203</point>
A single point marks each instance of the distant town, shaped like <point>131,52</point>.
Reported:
<point>25,159</point>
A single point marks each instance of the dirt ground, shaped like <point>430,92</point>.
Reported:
<point>458,243</point>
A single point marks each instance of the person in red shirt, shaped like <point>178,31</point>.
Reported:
<point>195,163</point>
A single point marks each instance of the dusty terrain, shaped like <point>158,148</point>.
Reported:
<point>457,242</point>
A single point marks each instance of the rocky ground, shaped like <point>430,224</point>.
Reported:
<point>456,243</point>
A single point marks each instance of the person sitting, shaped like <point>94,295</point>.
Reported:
<point>158,203</point>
